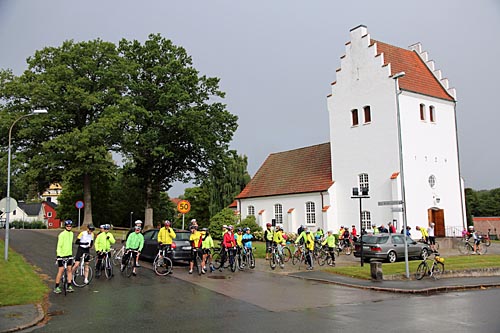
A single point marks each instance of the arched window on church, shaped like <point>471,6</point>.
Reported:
<point>363,181</point>
<point>366,220</point>
<point>310,212</point>
<point>368,114</point>
<point>251,210</point>
<point>354,117</point>
<point>432,114</point>
<point>422,112</point>
<point>278,213</point>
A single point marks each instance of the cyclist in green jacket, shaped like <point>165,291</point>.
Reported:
<point>103,243</point>
<point>135,242</point>
<point>64,250</point>
<point>330,242</point>
<point>207,244</point>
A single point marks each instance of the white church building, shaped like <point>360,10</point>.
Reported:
<point>392,130</point>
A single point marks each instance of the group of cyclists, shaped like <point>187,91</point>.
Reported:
<point>85,241</point>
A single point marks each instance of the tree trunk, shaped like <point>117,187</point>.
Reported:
<point>148,214</point>
<point>87,199</point>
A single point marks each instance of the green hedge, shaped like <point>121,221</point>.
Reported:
<point>27,225</point>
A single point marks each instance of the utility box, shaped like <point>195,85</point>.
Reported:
<point>376,270</point>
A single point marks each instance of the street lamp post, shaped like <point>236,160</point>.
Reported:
<point>401,167</point>
<point>363,195</point>
<point>131,217</point>
<point>7,206</point>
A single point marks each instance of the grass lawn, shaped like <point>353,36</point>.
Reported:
<point>453,263</point>
<point>20,283</point>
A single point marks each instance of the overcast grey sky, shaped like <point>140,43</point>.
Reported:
<point>276,59</point>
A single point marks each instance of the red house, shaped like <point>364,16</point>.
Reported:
<point>51,215</point>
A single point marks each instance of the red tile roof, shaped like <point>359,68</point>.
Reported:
<point>300,170</point>
<point>418,78</point>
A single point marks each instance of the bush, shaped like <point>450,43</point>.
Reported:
<point>225,216</point>
<point>27,225</point>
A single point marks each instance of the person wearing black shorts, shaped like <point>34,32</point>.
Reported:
<point>85,240</point>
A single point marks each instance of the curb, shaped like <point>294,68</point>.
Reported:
<point>427,291</point>
<point>38,318</point>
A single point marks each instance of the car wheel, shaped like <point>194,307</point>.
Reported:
<point>392,257</point>
<point>424,254</point>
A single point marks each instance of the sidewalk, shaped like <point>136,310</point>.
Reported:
<point>19,317</point>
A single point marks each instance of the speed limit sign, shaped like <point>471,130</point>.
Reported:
<point>183,206</point>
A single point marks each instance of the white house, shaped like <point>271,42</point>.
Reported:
<point>365,148</point>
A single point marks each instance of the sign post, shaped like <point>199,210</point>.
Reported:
<point>79,205</point>
<point>183,207</point>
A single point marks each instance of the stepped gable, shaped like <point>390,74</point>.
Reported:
<point>302,170</point>
<point>419,77</point>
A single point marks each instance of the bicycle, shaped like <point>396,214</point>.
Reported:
<point>467,248</point>
<point>325,257</point>
<point>217,254</point>
<point>248,257</point>
<point>129,263</point>
<point>345,247</point>
<point>435,270</point>
<point>105,265</point>
<point>162,265</point>
<point>485,239</point>
<point>79,273</point>
<point>197,259</point>
<point>64,277</point>
<point>298,254</point>
<point>276,258</point>
<point>117,255</point>
<point>287,253</point>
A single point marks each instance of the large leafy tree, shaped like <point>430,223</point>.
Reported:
<point>226,180</point>
<point>80,84</point>
<point>176,127</point>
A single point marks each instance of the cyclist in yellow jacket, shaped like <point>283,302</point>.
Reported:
<point>309,242</point>
<point>64,250</point>
<point>165,237</point>
<point>330,243</point>
<point>425,235</point>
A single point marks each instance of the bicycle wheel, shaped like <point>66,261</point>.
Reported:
<point>437,270</point>
<point>232,262</point>
<point>486,242</point>
<point>197,261</point>
<point>323,258</point>
<point>216,260</point>
<point>108,268</point>
<point>129,265</point>
<point>79,277</point>
<point>162,266</point>
<point>272,261</point>
<point>462,247</point>
<point>421,271</point>
<point>482,249</point>
<point>296,257</point>
<point>117,257</point>
<point>251,260</point>
<point>64,282</point>
<point>90,274</point>
<point>287,254</point>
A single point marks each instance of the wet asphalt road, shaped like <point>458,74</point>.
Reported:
<point>248,301</point>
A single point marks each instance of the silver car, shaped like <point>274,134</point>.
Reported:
<point>390,247</point>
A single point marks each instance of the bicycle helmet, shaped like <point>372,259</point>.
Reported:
<point>239,230</point>
<point>224,226</point>
<point>68,222</point>
<point>138,222</point>
<point>268,224</point>
<point>278,228</point>
<point>246,229</point>
<point>106,227</point>
<point>91,227</point>
<point>204,229</point>
<point>167,222</point>
<point>230,227</point>
<point>193,221</point>
<point>471,227</point>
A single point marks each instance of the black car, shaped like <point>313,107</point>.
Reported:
<point>181,247</point>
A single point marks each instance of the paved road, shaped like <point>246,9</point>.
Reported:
<point>246,301</point>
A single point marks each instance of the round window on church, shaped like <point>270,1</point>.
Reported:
<point>432,181</point>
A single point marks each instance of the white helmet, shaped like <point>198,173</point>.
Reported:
<point>138,222</point>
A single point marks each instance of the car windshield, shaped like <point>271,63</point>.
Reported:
<point>375,239</point>
<point>182,236</point>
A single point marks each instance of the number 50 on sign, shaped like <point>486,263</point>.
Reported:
<point>183,206</point>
